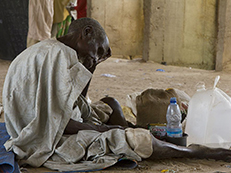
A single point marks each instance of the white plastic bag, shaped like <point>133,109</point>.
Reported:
<point>209,118</point>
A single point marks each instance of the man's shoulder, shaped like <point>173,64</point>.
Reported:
<point>46,49</point>
<point>49,46</point>
<point>52,43</point>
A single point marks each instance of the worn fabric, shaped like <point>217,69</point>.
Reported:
<point>100,112</point>
<point>94,113</point>
<point>40,19</point>
<point>81,8</point>
<point>140,141</point>
<point>40,89</point>
<point>60,11</point>
<point>92,150</point>
<point>62,27</point>
<point>47,19</point>
<point>61,17</point>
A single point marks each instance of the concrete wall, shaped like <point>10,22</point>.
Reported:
<point>123,23</point>
<point>181,32</point>
<point>193,33</point>
<point>223,58</point>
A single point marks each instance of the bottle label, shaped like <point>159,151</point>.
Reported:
<point>158,130</point>
<point>174,133</point>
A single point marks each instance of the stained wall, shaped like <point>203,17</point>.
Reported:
<point>193,33</point>
<point>123,23</point>
<point>181,32</point>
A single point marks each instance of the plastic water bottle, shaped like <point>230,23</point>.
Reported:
<point>173,116</point>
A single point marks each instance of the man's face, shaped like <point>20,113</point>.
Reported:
<point>92,51</point>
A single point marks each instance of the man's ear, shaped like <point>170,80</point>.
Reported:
<point>87,31</point>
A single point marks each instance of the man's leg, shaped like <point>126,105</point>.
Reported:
<point>117,116</point>
<point>165,150</point>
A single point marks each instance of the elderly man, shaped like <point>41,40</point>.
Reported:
<point>50,121</point>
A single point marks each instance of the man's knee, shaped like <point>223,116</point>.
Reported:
<point>112,102</point>
<point>117,117</point>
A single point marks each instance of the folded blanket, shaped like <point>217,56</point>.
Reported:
<point>7,159</point>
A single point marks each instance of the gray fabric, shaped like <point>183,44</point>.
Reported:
<point>100,112</point>
<point>40,89</point>
<point>81,107</point>
<point>94,113</point>
<point>95,150</point>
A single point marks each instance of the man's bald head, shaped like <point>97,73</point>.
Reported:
<point>88,38</point>
<point>78,25</point>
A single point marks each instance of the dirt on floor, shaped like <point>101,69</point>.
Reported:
<point>120,77</point>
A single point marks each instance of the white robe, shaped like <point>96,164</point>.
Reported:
<point>40,89</point>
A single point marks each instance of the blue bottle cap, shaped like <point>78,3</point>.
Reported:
<point>173,100</point>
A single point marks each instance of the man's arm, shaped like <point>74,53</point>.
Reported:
<point>74,126</point>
